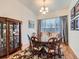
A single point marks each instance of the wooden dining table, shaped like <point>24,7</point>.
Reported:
<point>44,43</point>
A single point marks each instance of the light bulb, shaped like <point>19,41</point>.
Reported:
<point>44,12</point>
<point>46,8</point>
<point>42,8</point>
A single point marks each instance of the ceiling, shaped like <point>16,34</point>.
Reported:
<point>53,5</point>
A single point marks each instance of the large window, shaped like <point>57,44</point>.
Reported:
<point>51,25</point>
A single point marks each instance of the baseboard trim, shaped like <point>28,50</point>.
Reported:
<point>73,51</point>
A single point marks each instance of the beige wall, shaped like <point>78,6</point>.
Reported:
<point>14,9</point>
<point>73,35</point>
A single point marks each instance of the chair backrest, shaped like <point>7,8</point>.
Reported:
<point>50,40</point>
<point>53,39</point>
<point>52,43</point>
<point>29,37</point>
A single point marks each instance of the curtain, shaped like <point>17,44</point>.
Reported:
<point>65,29</point>
<point>39,29</point>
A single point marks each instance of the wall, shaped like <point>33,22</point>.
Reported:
<point>14,9</point>
<point>73,35</point>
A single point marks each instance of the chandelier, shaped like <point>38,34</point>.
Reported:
<point>44,8</point>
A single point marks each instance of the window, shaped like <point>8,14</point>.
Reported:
<point>51,25</point>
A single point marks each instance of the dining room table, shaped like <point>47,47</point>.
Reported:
<point>45,44</point>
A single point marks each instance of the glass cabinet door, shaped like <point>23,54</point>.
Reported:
<point>11,37</point>
<point>3,49</point>
<point>14,36</point>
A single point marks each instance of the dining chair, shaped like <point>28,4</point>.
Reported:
<point>52,48</point>
<point>60,48</point>
<point>35,46</point>
<point>30,41</point>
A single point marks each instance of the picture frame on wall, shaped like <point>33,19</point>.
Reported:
<point>72,13</point>
<point>31,24</point>
<point>72,24</point>
<point>77,23</point>
<point>77,9</point>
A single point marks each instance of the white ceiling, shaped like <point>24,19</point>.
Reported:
<point>53,5</point>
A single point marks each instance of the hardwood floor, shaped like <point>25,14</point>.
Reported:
<point>68,53</point>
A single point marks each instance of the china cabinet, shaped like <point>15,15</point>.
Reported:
<point>10,36</point>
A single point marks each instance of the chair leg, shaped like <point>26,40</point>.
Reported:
<point>53,57</point>
<point>38,56</point>
<point>33,57</point>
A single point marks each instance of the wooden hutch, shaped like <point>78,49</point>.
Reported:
<point>10,36</point>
